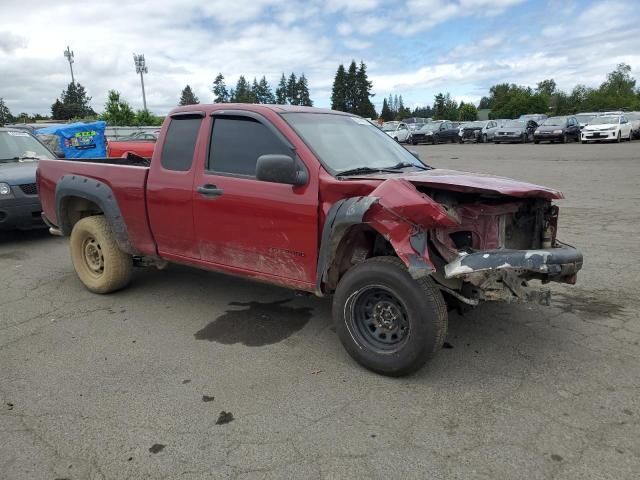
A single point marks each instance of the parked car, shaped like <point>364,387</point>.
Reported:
<point>481,131</point>
<point>536,117</point>
<point>557,129</point>
<point>313,200</point>
<point>634,120</point>
<point>613,128</point>
<point>19,155</point>
<point>520,131</point>
<point>399,131</point>
<point>584,118</point>
<point>436,132</point>
<point>140,146</point>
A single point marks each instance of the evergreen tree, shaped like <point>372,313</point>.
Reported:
<point>57,109</point>
<point>262,91</point>
<point>338,93</point>
<point>219,89</point>
<point>73,103</point>
<point>292,90</point>
<point>351,88</point>
<point>396,105</point>
<point>438,106</point>
<point>187,97</point>
<point>5,113</point>
<point>243,93</point>
<point>281,91</point>
<point>386,114</point>
<point>303,92</point>
<point>402,112</point>
<point>117,112</point>
<point>364,107</point>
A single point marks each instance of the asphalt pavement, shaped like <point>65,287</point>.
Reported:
<point>191,375</point>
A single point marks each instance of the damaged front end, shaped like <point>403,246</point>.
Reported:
<point>477,246</point>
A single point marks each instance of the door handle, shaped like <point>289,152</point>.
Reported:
<point>210,190</point>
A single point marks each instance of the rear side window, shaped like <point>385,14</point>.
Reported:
<point>180,143</point>
<point>237,142</point>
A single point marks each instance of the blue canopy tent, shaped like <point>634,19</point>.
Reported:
<point>76,140</point>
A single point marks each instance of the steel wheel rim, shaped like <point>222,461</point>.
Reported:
<point>379,319</point>
<point>93,256</point>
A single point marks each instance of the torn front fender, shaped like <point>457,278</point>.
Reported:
<point>397,211</point>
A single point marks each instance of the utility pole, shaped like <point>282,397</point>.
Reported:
<point>141,68</point>
<point>68,53</point>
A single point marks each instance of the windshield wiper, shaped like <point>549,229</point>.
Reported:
<point>399,165</point>
<point>356,171</point>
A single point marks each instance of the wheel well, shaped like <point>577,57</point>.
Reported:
<point>73,209</point>
<point>358,243</point>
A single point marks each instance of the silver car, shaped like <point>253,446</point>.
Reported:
<point>520,131</point>
<point>480,131</point>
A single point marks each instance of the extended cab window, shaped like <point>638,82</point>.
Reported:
<point>237,142</point>
<point>180,143</point>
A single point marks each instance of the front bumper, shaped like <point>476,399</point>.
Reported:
<point>503,274</point>
<point>552,264</point>
<point>550,137</point>
<point>21,209</point>
<point>504,137</point>
<point>598,136</point>
<point>421,137</point>
<point>21,216</point>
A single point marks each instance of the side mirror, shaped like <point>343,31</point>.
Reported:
<point>59,154</point>
<point>279,169</point>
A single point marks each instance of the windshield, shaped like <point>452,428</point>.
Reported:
<point>514,124</point>
<point>605,120</point>
<point>415,126</point>
<point>555,121</point>
<point>474,125</point>
<point>389,127</point>
<point>584,118</point>
<point>343,142</point>
<point>431,126</point>
<point>15,146</point>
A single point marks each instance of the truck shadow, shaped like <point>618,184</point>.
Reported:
<point>258,324</point>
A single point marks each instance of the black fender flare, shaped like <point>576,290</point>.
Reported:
<point>342,215</point>
<point>100,194</point>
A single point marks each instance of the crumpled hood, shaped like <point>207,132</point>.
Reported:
<point>459,181</point>
<point>18,173</point>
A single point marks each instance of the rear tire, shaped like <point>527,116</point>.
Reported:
<point>536,142</point>
<point>524,138</point>
<point>387,321</point>
<point>484,138</point>
<point>434,139</point>
<point>98,261</point>
<point>619,137</point>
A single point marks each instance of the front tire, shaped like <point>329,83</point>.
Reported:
<point>98,261</point>
<point>387,321</point>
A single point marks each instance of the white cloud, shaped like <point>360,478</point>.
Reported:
<point>189,41</point>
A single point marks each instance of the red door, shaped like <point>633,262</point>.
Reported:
<point>245,224</point>
<point>170,186</point>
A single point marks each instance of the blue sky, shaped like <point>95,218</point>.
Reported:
<point>415,48</point>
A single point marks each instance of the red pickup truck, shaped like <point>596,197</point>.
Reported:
<point>313,200</point>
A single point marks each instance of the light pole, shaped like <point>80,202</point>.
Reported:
<point>141,68</point>
<point>68,53</point>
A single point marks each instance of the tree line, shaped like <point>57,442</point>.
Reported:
<point>352,92</point>
<point>292,90</point>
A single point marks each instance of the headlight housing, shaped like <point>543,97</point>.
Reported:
<point>557,131</point>
<point>5,189</point>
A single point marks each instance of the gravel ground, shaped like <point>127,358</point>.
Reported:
<point>189,374</point>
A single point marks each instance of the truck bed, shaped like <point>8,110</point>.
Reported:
<point>124,179</point>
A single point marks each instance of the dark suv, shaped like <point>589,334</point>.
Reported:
<point>557,129</point>
<point>436,132</point>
